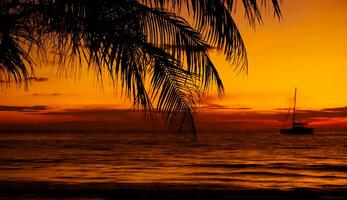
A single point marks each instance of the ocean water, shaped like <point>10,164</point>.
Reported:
<point>250,160</point>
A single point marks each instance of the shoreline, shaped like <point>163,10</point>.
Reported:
<point>46,190</point>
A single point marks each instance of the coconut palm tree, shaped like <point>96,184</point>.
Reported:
<point>159,58</point>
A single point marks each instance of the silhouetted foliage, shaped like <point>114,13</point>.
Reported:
<point>132,40</point>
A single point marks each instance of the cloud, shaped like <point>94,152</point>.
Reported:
<point>207,112</point>
<point>215,106</point>
<point>326,112</point>
<point>126,120</point>
<point>33,79</point>
<point>92,120</point>
<point>36,108</point>
<point>339,109</point>
<point>38,79</point>
<point>46,94</point>
<point>251,117</point>
<point>95,114</point>
<point>90,111</point>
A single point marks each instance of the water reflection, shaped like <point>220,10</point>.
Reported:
<point>259,160</point>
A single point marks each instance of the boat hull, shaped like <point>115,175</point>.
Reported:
<point>297,131</point>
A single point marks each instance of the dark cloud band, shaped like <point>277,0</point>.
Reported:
<point>36,108</point>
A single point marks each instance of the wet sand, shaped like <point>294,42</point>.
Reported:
<point>45,190</point>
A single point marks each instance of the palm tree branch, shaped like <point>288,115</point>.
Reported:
<point>173,34</point>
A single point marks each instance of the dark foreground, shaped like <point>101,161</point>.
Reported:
<point>42,190</point>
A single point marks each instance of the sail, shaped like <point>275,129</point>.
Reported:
<point>297,127</point>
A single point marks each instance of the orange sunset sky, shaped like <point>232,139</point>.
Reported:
<point>306,50</point>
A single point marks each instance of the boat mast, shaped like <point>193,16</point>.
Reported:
<point>294,107</point>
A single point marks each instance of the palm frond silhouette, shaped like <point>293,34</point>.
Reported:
<point>137,42</point>
<point>16,39</point>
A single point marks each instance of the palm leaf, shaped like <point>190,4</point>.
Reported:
<point>16,40</point>
<point>133,41</point>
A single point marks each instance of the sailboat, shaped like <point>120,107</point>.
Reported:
<point>297,127</point>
